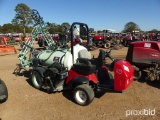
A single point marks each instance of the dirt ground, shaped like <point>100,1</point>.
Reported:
<point>27,103</point>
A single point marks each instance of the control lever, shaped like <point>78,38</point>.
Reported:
<point>108,54</point>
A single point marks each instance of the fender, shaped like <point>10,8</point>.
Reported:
<point>40,70</point>
<point>123,75</point>
<point>78,81</point>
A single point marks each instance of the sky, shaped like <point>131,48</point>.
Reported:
<point>97,14</point>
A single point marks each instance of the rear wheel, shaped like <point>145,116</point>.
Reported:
<point>3,92</point>
<point>83,94</point>
<point>37,80</point>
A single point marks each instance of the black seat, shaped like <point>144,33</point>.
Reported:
<point>84,66</point>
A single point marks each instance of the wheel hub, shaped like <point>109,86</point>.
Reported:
<point>81,96</point>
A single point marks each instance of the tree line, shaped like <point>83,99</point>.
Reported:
<point>53,28</point>
<point>23,23</point>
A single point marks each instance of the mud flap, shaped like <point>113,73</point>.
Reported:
<point>137,73</point>
<point>40,70</point>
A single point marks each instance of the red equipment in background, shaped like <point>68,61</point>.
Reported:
<point>145,58</point>
<point>4,47</point>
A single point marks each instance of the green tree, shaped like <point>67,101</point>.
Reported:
<point>99,31</point>
<point>154,31</point>
<point>55,28</point>
<point>29,29</point>
<point>7,28</point>
<point>1,29</point>
<point>52,27</point>
<point>131,26</point>
<point>59,28</point>
<point>18,28</point>
<point>23,16</point>
<point>65,27</point>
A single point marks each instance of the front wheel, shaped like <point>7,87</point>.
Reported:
<point>3,92</point>
<point>37,80</point>
<point>83,94</point>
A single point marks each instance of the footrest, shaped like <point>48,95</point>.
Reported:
<point>105,88</point>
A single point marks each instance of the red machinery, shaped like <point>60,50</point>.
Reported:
<point>99,40</point>
<point>4,47</point>
<point>145,58</point>
<point>16,37</point>
<point>107,41</point>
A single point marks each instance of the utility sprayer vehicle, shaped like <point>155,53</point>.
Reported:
<point>73,69</point>
<point>3,92</point>
<point>145,58</point>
